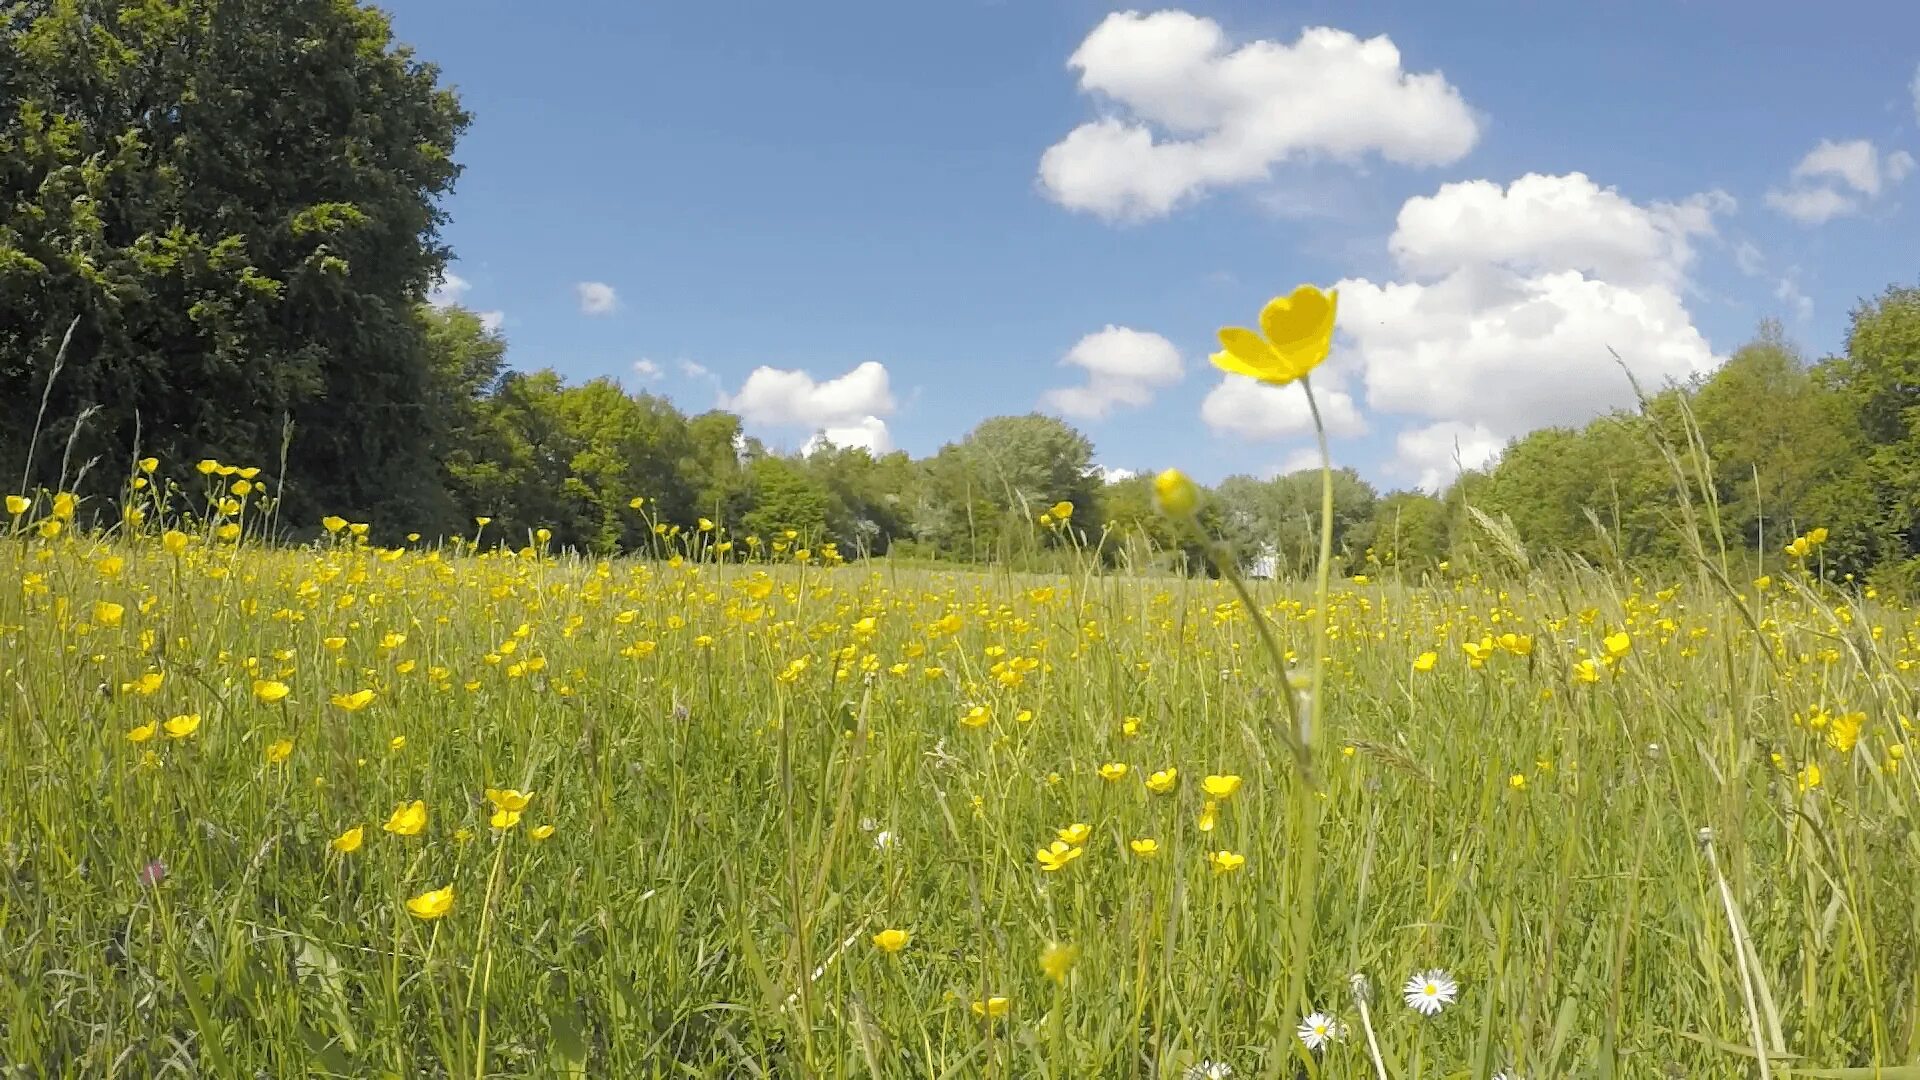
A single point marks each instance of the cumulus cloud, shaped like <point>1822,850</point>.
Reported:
<point>1517,300</point>
<point>1191,112</point>
<point>845,411</point>
<point>448,290</point>
<point>647,369</point>
<point>869,433</point>
<point>1248,409</point>
<point>1124,367</point>
<point>597,298</point>
<point>451,289</point>
<point>1301,459</point>
<point>1434,455</point>
<point>1788,292</point>
<point>1109,475</point>
<point>1836,179</point>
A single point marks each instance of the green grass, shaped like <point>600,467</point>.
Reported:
<point>706,902</point>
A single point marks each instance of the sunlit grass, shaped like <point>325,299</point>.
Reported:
<point>743,774</point>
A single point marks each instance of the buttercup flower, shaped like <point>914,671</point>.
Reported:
<point>1295,335</point>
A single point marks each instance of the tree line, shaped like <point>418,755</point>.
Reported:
<point>219,221</point>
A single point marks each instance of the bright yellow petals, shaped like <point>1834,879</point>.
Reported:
<point>1225,862</point>
<point>1054,857</point>
<point>1113,771</point>
<point>270,691</point>
<point>1221,787</point>
<point>993,1008</point>
<point>279,750</point>
<point>174,541</point>
<point>1076,833</point>
<point>349,841</point>
<point>143,732</point>
<point>1618,644</point>
<point>108,614</point>
<point>179,727</point>
<point>1425,661</point>
<point>333,523</point>
<point>1061,510</point>
<point>891,940</point>
<point>1163,781</point>
<point>432,904</point>
<point>1295,335</point>
<point>509,798</point>
<point>353,702</point>
<point>1175,495</point>
<point>504,819</point>
<point>1057,959</point>
<point>407,819</point>
<point>541,832</point>
<point>1145,847</point>
<point>18,504</point>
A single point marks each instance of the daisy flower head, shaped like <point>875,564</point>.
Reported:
<point>1318,1030</point>
<point>1428,992</point>
<point>1208,1069</point>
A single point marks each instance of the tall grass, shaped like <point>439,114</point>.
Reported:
<point>732,826</point>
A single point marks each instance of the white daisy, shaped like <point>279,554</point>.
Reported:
<point>1428,992</point>
<point>1319,1029</point>
<point>1208,1070</point>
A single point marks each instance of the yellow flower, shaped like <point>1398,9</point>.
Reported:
<point>63,506</point>
<point>483,522</point>
<point>1113,770</point>
<point>1163,781</point>
<point>18,504</point>
<point>1055,856</point>
<point>349,842</point>
<point>1295,335</point>
<point>1586,671</point>
<point>148,464</point>
<point>1618,644</point>
<point>1763,582</point>
<point>1808,778</point>
<point>541,832</point>
<point>1221,787</point>
<point>1226,862</point>
<point>1817,536</point>
<point>504,819</point>
<point>509,799</point>
<point>636,502</point>
<point>174,541</point>
<point>398,743</point>
<point>107,613</point>
<point>1062,510</point>
<point>146,685</point>
<point>1076,833</point>
<point>353,702</point>
<point>432,904</point>
<point>333,523</point>
<point>181,726</point>
<point>207,466</point>
<point>1518,781</point>
<point>705,525</point>
<point>333,644</point>
<point>977,717</point>
<point>1209,815</point>
<point>1146,847</point>
<point>270,691</point>
<point>407,819</point>
<point>994,1007</point>
<point>51,528</point>
<point>892,941</point>
<point>279,750</point>
<point>1174,495</point>
<point>143,732</point>
<point>1057,959</point>
<point>1799,548</point>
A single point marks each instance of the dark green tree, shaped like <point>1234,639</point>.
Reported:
<point>234,205</point>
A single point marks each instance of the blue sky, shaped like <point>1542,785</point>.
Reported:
<point>852,196</point>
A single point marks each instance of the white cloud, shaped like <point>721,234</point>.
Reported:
<point>1788,292</point>
<point>1813,206</point>
<point>1748,258</point>
<point>1836,179</point>
<point>1518,299</point>
<point>647,369</point>
<point>448,290</point>
<point>868,433</point>
<point>845,411</point>
<point>1109,475</point>
<point>1434,455</point>
<point>1249,409</point>
<point>1303,459</point>
<point>492,321</point>
<point>1192,112</point>
<point>1124,367</point>
<point>1540,223</point>
<point>597,298</point>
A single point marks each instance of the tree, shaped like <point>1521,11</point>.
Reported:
<point>784,498</point>
<point>1281,516</point>
<point>234,206</point>
<point>1879,380</point>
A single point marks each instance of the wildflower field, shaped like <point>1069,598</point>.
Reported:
<point>465,809</point>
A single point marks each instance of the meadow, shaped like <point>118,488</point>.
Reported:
<point>484,808</point>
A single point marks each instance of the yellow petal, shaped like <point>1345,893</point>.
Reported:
<point>1246,353</point>
<point>1306,316</point>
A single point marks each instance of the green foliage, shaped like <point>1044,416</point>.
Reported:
<point>233,205</point>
